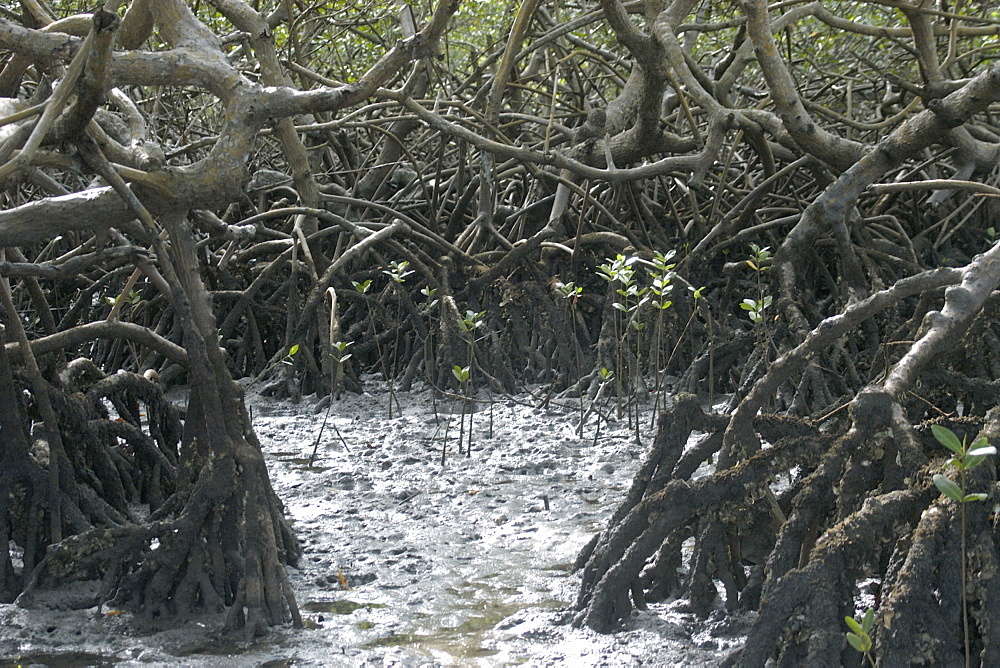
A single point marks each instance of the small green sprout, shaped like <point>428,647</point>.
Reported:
<point>756,307</point>
<point>398,271</point>
<point>429,292</point>
<point>461,373</point>
<point>859,636</point>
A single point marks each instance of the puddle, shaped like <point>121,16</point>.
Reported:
<point>468,638</point>
<point>66,659</point>
<point>278,663</point>
<point>339,607</point>
<point>301,463</point>
<point>566,567</point>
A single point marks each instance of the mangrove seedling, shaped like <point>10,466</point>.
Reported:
<point>338,351</point>
<point>571,293</point>
<point>606,377</point>
<point>431,302</point>
<point>397,271</point>
<point>756,308</point>
<point>362,288</point>
<point>461,374</point>
<point>967,457</point>
<point>662,274</point>
<point>471,322</point>
<point>620,271</point>
<point>759,256</point>
<point>287,360</point>
<point>859,637</point>
<point>695,307</point>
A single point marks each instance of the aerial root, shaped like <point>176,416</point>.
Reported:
<point>616,568</point>
<point>819,594</point>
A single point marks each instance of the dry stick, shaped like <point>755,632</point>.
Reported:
<point>326,417</point>
<point>334,335</point>
<point>576,354</point>
<point>468,383</point>
<point>444,443</point>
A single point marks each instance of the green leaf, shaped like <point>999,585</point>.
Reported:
<point>858,643</point>
<point>982,451</point>
<point>971,461</point>
<point>294,349</point>
<point>947,438</point>
<point>868,621</point>
<point>620,307</point>
<point>978,496</point>
<point>947,487</point>
<point>853,625</point>
<point>748,305</point>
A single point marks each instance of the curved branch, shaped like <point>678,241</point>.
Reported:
<point>103,329</point>
<point>841,153</point>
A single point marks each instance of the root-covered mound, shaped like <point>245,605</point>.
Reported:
<point>164,539</point>
<point>809,521</point>
<point>172,518</point>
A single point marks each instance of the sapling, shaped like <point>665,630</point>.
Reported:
<point>610,272</point>
<point>967,457</point>
<point>571,293</point>
<point>619,271</point>
<point>362,288</point>
<point>340,355</point>
<point>756,307</point>
<point>471,322</point>
<point>429,365</point>
<point>398,272</point>
<point>696,296</point>
<point>859,637</point>
<point>287,360</point>
<point>662,273</point>
<point>338,350</point>
<point>461,374</point>
<point>606,377</point>
<point>638,326</point>
<point>633,299</point>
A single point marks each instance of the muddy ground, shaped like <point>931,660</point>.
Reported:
<point>409,562</point>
